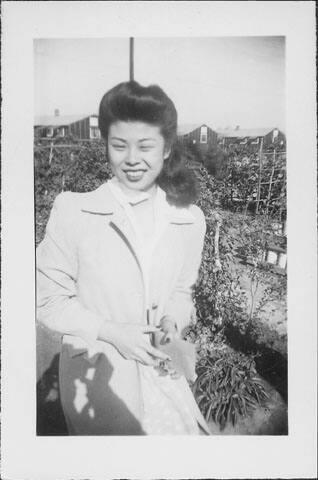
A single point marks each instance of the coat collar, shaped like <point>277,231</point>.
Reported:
<point>102,201</point>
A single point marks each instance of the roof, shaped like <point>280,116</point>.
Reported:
<point>186,128</point>
<point>245,132</point>
<point>58,120</point>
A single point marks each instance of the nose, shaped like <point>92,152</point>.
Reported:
<point>132,157</point>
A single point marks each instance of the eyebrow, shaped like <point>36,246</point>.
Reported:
<point>117,138</point>
<point>140,140</point>
<point>147,140</point>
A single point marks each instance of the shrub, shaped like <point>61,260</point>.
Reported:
<point>227,387</point>
<point>223,311</point>
<point>70,165</point>
<point>218,296</point>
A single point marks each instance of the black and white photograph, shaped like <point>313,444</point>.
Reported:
<point>165,212</point>
<point>161,236</point>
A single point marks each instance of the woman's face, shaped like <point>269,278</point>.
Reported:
<point>136,153</point>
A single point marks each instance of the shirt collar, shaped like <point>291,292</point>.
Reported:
<point>122,197</point>
<point>105,201</point>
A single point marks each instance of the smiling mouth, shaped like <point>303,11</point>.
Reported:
<point>134,175</point>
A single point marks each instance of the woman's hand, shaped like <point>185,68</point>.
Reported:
<point>169,328</point>
<point>132,341</point>
<point>168,331</point>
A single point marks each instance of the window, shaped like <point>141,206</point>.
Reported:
<point>93,121</point>
<point>275,134</point>
<point>94,132</point>
<point>49,132</point>
<point>61,132</point>
<point>204,134</point>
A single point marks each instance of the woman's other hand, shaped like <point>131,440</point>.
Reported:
<point>132,341</point>
<point>165,369</point>
<point>169,329</point>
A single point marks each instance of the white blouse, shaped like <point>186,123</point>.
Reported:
<point>166,411</point>
<point>149,226</point>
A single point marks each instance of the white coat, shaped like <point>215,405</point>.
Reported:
<point>88,272</point>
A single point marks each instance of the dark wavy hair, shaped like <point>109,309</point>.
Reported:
<point>130,101</point>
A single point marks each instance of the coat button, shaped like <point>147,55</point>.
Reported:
<point>154,306</point>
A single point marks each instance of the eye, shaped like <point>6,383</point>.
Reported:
<point>118,146</point>
<point>146,148</point>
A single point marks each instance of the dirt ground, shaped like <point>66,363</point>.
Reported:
<point>275,311</point>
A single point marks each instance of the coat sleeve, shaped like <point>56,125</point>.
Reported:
<point>58,307</point>
<point>180,304</point>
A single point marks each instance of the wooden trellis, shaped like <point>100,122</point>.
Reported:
<point>266,182</point>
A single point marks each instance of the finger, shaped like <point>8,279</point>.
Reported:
<point>146,359</point>
<point>157,353</point>
<point>149,328</point>
<point>164,339</point>
<point>167,338</point>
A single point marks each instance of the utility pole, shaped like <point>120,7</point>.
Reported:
<point>131,59</point>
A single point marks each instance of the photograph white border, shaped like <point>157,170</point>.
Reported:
<point>23,454</point>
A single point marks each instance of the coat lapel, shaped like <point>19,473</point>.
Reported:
<point>102,202</point>
<point>122,225</point>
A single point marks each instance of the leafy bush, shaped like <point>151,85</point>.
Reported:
<point>66,164</point>
<point>268,348</point>
<point>227,387</point>
<point>224,314</point>
<point>237,171</point>
<point>218,295</point>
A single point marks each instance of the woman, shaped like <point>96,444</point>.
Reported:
<point>117,265</point>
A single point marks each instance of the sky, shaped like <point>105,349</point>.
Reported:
<point>220,81</point>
